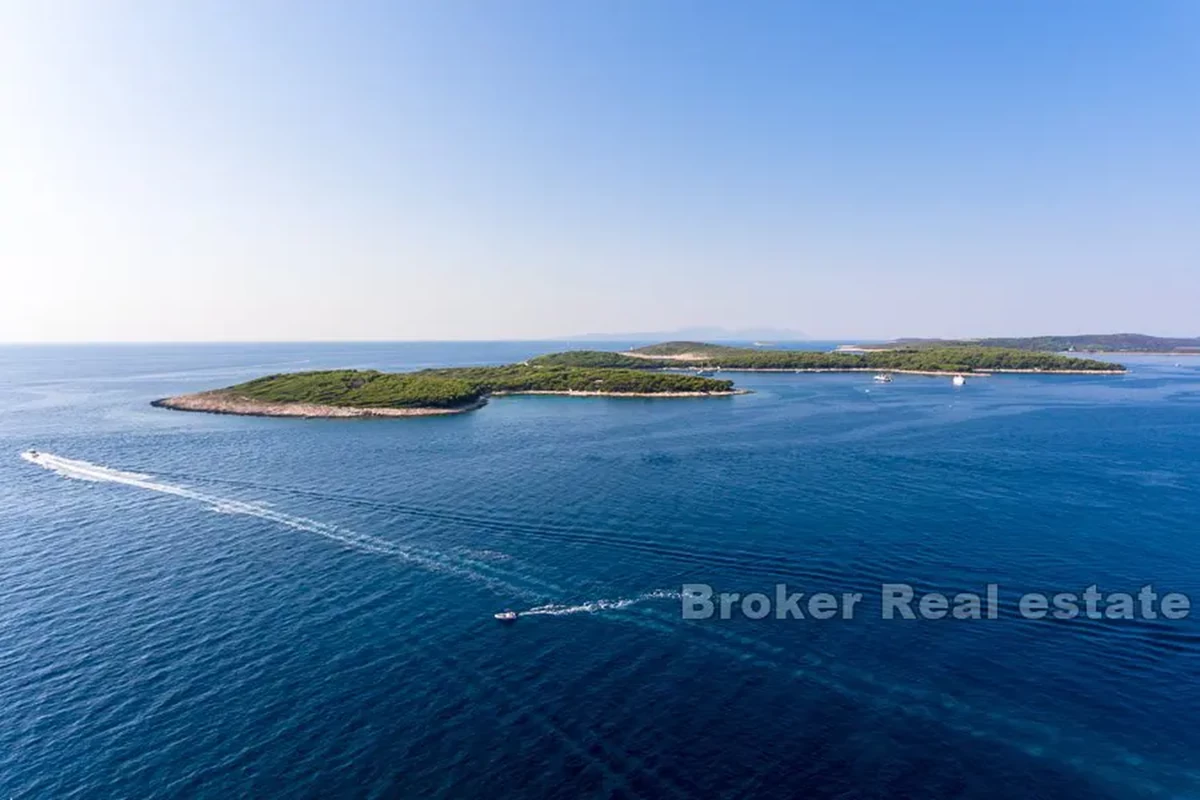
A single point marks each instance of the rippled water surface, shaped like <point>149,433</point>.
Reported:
<point>198,605</point>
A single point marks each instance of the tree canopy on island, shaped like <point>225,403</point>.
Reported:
<point>360,388</point>
<point>922,359</point>
<point>460,386</point>
<point>650,370</point>
<point>1100,343</point>
<point>603,359</point>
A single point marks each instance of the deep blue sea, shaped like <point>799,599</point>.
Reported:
<point>195,605</point>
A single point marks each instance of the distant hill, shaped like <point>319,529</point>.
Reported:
<point>698,334</point>
<point>697,349</point>
<point>1090,343</point>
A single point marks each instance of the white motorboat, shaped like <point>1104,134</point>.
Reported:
<point>958,380</point>
<point>883,377</point>
<point>507,615</point>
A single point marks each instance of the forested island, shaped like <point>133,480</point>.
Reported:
<point>1089,343</point>
<point>925,360</point>
<point>660,370</point>
<point>370,393</point>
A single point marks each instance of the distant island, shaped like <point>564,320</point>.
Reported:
<point>663,370</point>
<point>922,360</point>
<point>1091,343</point>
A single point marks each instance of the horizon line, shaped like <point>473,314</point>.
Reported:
<point>580,338</point>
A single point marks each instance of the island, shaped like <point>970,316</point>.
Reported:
<point>1086,343</point>
<point>913,360</point>
<point>433,392</point>
<point>666,370</point>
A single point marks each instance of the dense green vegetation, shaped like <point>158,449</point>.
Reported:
<point>685,348</point>
<point>1107,342</point>
<point>361,388</point>
<point>450,388</point>
<point>597,371</point>
<point>589,358</point>
<point>522,378</point>
<point>929,359</point>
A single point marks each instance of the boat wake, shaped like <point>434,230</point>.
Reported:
<point>431,560</point>
<point>479,567</point>
<point>474,565</point>
<point>596,606</point>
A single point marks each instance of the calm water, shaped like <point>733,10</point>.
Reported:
<point>303,608</point>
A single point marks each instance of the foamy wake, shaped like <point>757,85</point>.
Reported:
<point>595,606</point>
<point>431,560</point>
<point>81,470</point>
<point>504,580</point>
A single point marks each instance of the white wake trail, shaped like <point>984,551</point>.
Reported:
<point>433,561</point>
<point>596,606</point>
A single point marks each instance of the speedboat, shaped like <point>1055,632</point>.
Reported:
<point>883,377</point>
<point>958,380</point>
<point>507,615</point>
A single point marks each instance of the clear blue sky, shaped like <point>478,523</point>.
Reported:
<point>517,169</point>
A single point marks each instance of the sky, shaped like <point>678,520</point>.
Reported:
<point>520,169</point>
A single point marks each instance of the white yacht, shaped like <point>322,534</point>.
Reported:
<point>958,380</point>
<point>507,615</point>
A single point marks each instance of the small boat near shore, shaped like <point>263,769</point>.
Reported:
<point>883,377</point>
<point>958,380</point>
<point>507,615</point>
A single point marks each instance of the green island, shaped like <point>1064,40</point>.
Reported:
<point>1088,343</point>
<point>661,370</point>
<point>922,360</point>
<point>370,393</point>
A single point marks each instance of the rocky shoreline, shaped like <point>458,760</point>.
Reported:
<point>571,393</point>
<point>224,403</point>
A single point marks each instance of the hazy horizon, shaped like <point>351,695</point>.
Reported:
<point>266,171</point>
<point>580,339</point>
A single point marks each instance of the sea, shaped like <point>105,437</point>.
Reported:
<point>198,605</point>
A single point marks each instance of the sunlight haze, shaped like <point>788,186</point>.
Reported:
<point>277,171</point>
